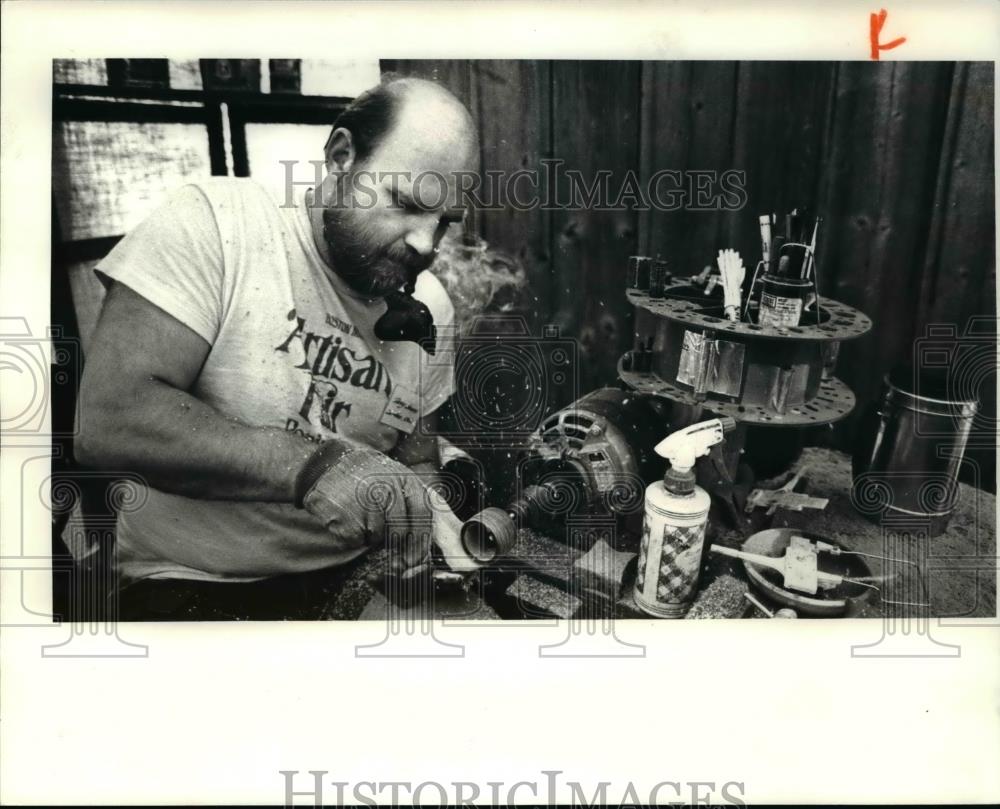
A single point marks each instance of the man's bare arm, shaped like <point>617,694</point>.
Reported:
<point>136,413</point>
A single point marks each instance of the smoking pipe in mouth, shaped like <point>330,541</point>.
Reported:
<point>407,319</point>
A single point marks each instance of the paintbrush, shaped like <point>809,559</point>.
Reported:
<point>792,226</point>
<point>776,247</point>
<point>765,237</point>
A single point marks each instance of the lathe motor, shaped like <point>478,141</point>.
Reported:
<point>594,456</point>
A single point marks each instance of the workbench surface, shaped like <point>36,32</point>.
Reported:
<point>544,577</point>
<point>960,564</point>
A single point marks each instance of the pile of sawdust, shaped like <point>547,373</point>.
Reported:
<point>723,598</point>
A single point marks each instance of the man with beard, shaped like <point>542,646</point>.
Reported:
<point>271,369</point>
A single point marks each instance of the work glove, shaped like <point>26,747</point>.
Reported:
<point>363,496</point>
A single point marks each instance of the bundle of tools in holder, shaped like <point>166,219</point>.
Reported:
<point>787,275</point>
<point>687,349</point>
<point>730,277</point>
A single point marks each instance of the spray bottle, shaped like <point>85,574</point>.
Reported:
<point>673,530</point>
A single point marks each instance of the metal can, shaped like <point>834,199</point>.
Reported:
<point>909,451</point>
<point>659,275</point>
<point>782,301</point>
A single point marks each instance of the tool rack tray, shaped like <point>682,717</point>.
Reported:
<point>756,374</point>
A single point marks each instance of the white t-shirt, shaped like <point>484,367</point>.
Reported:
<point>291,346</point>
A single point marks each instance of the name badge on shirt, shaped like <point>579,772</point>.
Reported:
<point>401,411</point>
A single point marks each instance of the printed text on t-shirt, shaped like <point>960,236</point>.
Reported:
<point>330,363</point>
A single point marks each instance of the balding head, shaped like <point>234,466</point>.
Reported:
<point>396,160</point>
<point>419,111</point>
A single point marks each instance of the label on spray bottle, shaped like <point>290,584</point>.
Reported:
<point>669,563</point>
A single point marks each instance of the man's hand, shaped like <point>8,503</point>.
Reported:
<point>421,452</point>
<point>363,496</point>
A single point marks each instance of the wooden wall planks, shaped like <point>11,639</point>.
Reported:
<point>515,142</point>
<point>595,127</point>
<point>779,134</point>
<point>879,182</point>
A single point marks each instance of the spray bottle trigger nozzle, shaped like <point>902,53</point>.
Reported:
<point>683,447</point>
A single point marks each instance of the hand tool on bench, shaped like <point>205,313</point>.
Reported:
<point>784,612</point>
<point>786,497</point>
<point>799,566</point>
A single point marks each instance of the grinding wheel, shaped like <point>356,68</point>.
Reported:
<point>826,603</point>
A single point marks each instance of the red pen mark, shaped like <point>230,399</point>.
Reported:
<point>876,21</point>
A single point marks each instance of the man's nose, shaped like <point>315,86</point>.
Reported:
<point>420,240</point>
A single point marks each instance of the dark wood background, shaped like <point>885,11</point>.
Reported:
<point>896,156</point>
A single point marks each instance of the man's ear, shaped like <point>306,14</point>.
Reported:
<point>340,152</point>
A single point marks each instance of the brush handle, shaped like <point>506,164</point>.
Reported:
<point>754,558</point>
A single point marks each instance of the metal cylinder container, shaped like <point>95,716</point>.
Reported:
<point>659,279</point>
<point>782,301</point>
<point>909,451</point>
<point>638,272</point>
